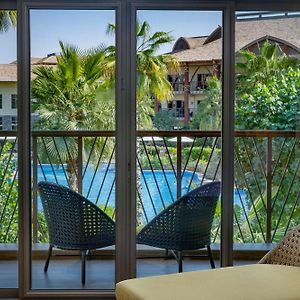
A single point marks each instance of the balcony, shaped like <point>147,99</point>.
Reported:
<point>169,164</point>
<point>196,87</point>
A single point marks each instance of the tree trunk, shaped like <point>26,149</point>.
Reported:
<point>71,173</point>
<point>139,207</point>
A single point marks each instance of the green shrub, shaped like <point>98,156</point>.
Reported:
<point>165,120</point>
<point>197,153</point>
<point>8,195</point>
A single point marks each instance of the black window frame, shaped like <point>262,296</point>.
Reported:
<point>129,7</point>
<point>14,123</point>
<point>14,101</point>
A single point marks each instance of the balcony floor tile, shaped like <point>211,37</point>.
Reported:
<point>65,273</point>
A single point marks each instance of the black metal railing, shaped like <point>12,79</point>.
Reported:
<point>198,86</point>
<point>193,87</point>
<point>169,164</point>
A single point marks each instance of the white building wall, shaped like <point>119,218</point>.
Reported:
<point>6,90</point>
<point>8,114</point>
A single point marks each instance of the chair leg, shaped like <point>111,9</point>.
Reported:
<point>211,259</point>
<point>179,260</point>
<point>166,254</point>
<point>83,261</point>
<point>48,259</point>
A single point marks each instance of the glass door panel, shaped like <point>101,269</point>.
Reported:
<point>73,148</point>
<point>179,107</point>
<point>8,151</point>
<point>267,124</point>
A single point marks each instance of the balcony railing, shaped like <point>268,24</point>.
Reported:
<point>195,87</point>
<point>169,164</point>
<point>178,87</point>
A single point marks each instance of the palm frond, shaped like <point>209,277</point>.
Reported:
<point>8,19</point>
<point>143,29</point>
<point>111,29</point>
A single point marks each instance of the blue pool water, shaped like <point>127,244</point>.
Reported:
<point>158,188</point>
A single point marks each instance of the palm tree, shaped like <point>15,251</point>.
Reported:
<point>151,69</point>
<point>8,18</point>
<point>151,73</point>
<point>67,98</point>
<point>78,94</point>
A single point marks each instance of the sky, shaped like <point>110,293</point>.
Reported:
<point>87,29</point>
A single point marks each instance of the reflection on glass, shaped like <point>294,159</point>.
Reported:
<point>73,148</point>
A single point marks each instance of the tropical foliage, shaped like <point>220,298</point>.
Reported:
<point>75,95</point>
<point>8,194</point>
<point>65,97</point>
<point>151,74</point>
<point>267,97</point>
<point>156,156</point>
<point>208,114</point>
<point>79,92</point>
<point>267,89</point>
<point>165,120</point>
<point>8,19</point>
<point>151,70</point>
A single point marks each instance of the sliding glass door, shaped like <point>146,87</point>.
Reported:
<point>266,124</point>
<point>179,145</point>
<point>127,140</point>
<point>69,97</point>
<point>73,145</point>
<point>94,149</point>
<point>8,151</point>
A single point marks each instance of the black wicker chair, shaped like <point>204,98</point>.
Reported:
<point>74,223</point>
<point>185,224</point>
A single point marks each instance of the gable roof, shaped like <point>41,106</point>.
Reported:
<point>184,43</point>
<point>49,60</point>
<point>8,72</point>
<point>205,48</point>
<point>285,30</point>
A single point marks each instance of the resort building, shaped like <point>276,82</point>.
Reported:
<point>8,91</point>
<point>201,57</point>
<point>8,96</point>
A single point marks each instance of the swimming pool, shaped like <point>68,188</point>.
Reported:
<point>158,188</point>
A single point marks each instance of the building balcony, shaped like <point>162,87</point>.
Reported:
<point>196,87</point>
